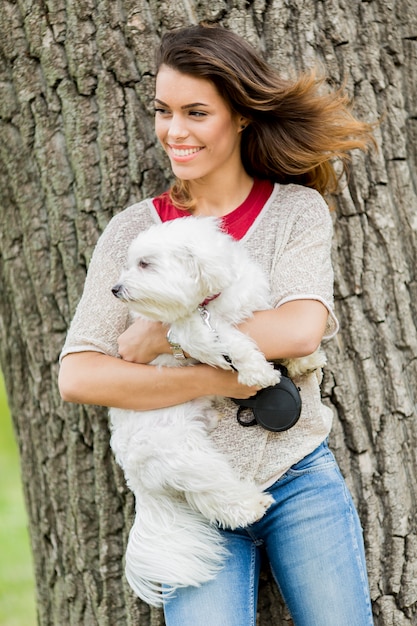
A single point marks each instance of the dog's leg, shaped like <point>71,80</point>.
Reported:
<point>200,341</point>
<point>306,364</point>
<point>203,474</point>
<point>249,361</point>
<point>212,345</point>
<point>224,499</point>
<point>182,458</point>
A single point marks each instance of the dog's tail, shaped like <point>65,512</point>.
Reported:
<point>170,546</point>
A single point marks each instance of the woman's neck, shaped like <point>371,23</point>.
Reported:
<point>221,197</point>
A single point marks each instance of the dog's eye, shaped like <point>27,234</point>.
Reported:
<point>142,263</point>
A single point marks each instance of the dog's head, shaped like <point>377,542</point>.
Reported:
<point>173,267</point>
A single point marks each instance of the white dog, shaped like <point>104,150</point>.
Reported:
<point>201,283</point>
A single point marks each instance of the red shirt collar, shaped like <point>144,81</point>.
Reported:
<point>237,222</point>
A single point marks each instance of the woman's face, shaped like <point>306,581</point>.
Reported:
<point>196,127</point>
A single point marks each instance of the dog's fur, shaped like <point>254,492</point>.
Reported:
<point>183,486</point>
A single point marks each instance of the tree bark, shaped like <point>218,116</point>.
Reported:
<point>76,147</point>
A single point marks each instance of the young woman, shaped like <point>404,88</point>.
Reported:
<point>255,151</point>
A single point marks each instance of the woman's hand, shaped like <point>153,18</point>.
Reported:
<point>225,383</point>
<point>143,341</point>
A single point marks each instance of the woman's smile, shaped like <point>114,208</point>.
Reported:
<point>183,153</point>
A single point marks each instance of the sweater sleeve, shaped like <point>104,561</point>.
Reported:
<point>100,318</point>
<point>303,269</point>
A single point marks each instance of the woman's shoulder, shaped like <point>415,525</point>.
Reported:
<point>295,204</point>
<point>134,217</point>
<point>298,197</point>
<point>126,225</point>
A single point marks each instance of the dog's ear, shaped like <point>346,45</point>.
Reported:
<point>207,251</point>
<point>209,269</point>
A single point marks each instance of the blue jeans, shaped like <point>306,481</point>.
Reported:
<point>313,540</point>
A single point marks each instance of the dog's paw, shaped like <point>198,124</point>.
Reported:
<point>247,512</point>
<point>261,506</point>
<point>306,364</point>
<point>267,377</point>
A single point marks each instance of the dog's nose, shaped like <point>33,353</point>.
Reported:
<point>116,290</point>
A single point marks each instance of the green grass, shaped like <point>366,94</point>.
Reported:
<point>17,596</point>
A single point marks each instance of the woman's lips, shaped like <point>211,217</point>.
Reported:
<point>184,153</point>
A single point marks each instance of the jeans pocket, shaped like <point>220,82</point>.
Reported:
<point>320,459</point>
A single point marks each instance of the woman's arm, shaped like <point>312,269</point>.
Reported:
<point>294,329</point>
<point>96,378</point>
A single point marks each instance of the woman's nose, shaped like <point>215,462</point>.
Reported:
<point>177,128</point>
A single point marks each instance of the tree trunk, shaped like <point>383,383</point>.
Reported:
<point>77,146</point>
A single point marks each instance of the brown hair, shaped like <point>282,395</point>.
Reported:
<point>295,130</point>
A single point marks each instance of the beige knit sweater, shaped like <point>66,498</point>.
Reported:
<point>291,240</point>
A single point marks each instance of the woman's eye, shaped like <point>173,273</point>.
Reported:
<point>161,111</point>
<point>198,113</point>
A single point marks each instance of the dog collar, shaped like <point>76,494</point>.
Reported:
<point>209,299</point>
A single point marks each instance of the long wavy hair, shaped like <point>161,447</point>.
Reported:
<point>296,129</point>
